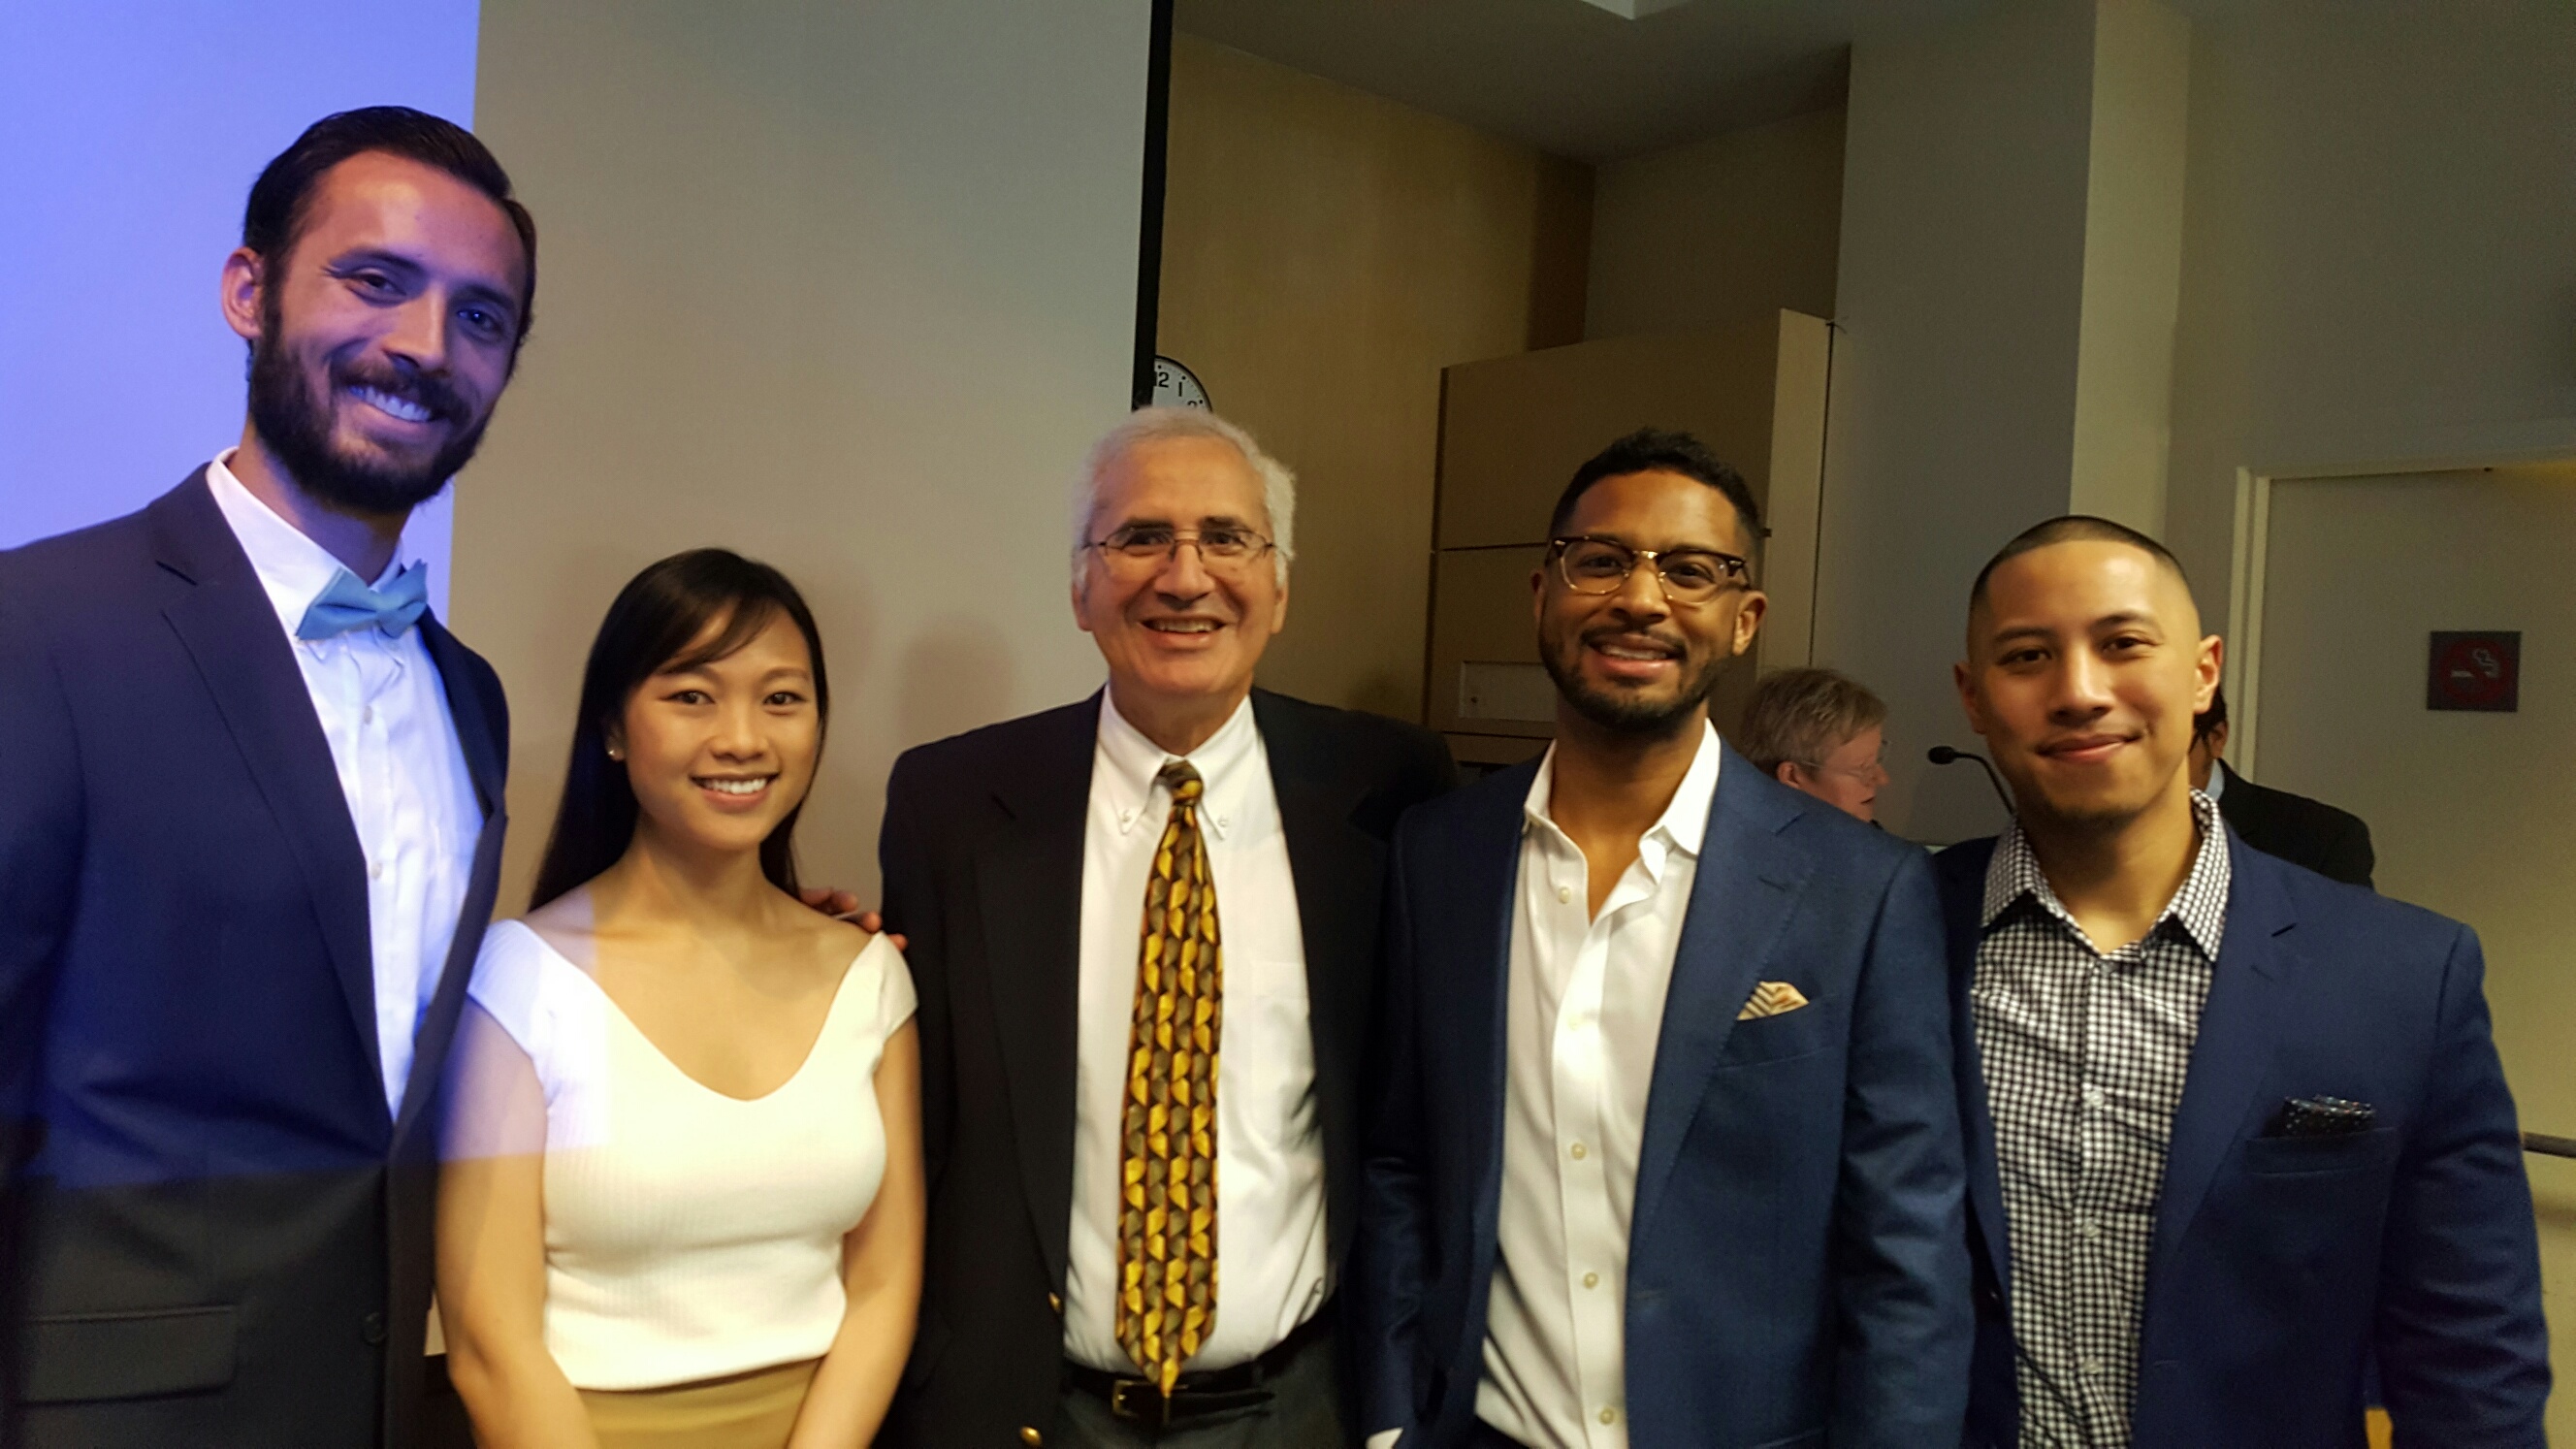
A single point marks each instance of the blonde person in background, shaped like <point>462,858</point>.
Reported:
<point>683,1201</point>
<point>1820,732</point>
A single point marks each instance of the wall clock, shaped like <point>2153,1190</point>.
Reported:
<point>1175,386</point>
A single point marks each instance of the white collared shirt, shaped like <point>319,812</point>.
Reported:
<point>1585,1010</point>
<point>1270,1245</point>
<point>384,711</point>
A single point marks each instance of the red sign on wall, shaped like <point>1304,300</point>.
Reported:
<point>2479,671</point>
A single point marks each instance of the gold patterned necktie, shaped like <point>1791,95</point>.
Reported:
<point>1167,1151</point>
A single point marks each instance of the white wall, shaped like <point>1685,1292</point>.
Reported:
<point>130,132</point>
<point>847,288</point>
<point>1960,295</point>
<point>1716,231</point>
<point>2379,260</point>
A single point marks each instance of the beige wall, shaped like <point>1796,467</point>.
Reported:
<point>848,288</point>
<point>1739,225</point>
<point>1325,254</point>
<point>2376,258</point>
<point>2469,812</point>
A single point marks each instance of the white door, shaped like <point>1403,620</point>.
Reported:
<point>2473,814</point>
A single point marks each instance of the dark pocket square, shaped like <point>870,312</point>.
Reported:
<point>2321,1117</point>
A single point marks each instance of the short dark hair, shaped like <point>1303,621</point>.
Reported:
<point>648,631</point>
<point>2072,528</point>
<point>1658,450</point>
<point>2213,719</point>
<point>281,200</point>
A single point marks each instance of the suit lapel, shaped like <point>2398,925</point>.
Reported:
<point>1472,955</point>
<point>231,632</point>
<point>2239,1028</point>
<point>1748,881</point>
<point>1028,879</point>
<point>1962,902</point>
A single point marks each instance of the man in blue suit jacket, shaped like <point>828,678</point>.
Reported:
<point>2232,1127</point>
<point>1664,1147</point>
<point>250,830</point>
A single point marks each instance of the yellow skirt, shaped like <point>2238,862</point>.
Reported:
<point>754,1410</point>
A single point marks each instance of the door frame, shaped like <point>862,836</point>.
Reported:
<point>2550,441</point>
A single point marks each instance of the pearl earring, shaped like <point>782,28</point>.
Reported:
<point>615,753</point>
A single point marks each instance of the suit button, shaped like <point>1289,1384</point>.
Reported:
<point>1031,1436</point>
<point>1055,1303</point>
<point>372,1328</point>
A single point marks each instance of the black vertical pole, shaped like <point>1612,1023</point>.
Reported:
<point>1149,231</point>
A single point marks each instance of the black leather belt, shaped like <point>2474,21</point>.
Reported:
<point>1196,1395</point>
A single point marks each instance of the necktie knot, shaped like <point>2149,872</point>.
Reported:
<point>346,604</point>
<point>1182,779</point>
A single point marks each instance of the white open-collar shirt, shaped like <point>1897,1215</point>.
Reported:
<point>1270,1245</point>
<point>1584,1014</point>
<point>402,770</point>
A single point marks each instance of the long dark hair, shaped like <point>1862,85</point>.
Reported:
<point>649,630</point>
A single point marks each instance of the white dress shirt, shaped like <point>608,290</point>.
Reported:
<point>384,711</point>
<point>1270,1246</point>
<point>1586,1008</point>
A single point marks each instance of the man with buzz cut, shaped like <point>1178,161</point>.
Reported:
<point>2232,1127</point>
<point>1663,1147</point>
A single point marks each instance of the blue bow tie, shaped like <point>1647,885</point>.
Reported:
<point>348,604</point>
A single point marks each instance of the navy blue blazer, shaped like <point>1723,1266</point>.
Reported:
<point>1798,1270</point>
<point>217,1231</point>
<point>2279,1263</point>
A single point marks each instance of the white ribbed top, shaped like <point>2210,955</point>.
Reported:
<point>691,1235</point>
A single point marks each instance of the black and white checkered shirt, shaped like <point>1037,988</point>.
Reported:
<point>2084,1057</point>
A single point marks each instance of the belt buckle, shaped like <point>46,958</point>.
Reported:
<point>1119,1407</point>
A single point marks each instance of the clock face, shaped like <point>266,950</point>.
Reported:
<point>1176,386</point>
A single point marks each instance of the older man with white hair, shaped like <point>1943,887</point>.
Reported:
<point>1143,929</point>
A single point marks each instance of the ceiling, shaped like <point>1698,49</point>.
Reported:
<point>1570,76</point>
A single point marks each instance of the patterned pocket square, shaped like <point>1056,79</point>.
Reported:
<point>1771,998</point>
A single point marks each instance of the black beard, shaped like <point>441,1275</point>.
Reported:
<point>1627,714</point>
<point>295,426</point>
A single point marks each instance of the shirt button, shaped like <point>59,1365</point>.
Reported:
<point>2090,1228</point>
<point>1579,1151</point>
<point>1565,893</point>
<point>2090,1367</point>
<point>1609,1416</point>
<point>367,715</point>
<point>375,870</point>
<point>2094,1097</point>
<point>1591,1280</point>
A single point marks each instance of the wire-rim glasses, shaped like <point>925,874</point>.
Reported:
<point>1223,548</point>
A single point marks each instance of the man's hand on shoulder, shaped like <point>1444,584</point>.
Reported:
<point>843,905</point>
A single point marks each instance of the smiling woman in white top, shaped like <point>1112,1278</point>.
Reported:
<point>682,1206</point>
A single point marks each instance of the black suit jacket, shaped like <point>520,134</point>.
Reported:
<point>2331,842</point>
<point>982,855</point>
<point>218,1232</point>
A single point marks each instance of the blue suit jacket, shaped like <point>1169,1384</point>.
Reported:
<point>2279,1263</point>
<point>1797,1270</point>
<point>218,1232</point>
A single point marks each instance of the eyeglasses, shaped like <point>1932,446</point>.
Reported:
<point>1690,576</point>
<point>1224,549</point>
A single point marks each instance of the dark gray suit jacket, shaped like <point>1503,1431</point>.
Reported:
<point>216,1231</point>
